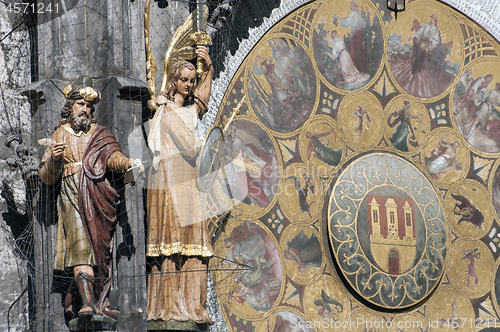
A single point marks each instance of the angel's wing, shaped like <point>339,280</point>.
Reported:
<point>181,48</point>
<point>182,44</point>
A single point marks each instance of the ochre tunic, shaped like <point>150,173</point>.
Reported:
<point>73,247</point>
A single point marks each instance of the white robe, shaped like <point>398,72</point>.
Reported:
<point>349,71</point>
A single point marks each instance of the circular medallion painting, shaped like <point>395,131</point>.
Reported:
<point>400,260</point>
<point>471,209</point>
<point>300,194</point>
<point>473,264</point>
<point>407,124</point>
<point>424,50</point>
<point>251,271</point>
<point>282,85</point>
<point>250,167</point>
<point>476,103</point>
<point>360,117</point>
<point>346,44</point>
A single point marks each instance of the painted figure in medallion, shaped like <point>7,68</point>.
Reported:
<point>356,22</point>
<point>470,92</point>
<point>402,118</point>
<point>485,116</point>
<point>468,96</point>
<point>348,60</point>
<point>425,40</point>
<point>443,158</point>
<point>253,260</point>
<point>178,241</point>
<point>251,165</point>
<point>422,64</point>
<point>328,307</point>
<point>467,211</point>
<point>82,159</point>
<point>258,301</point>
<point>304,251</point>
<point>476,111</point>
<point>283,85</point>
<point>303,192</point>
<point>472,255</point>
<point>256,283</point>
<point>361,113</point>
<point>348,68</point>
<point>316,148</point>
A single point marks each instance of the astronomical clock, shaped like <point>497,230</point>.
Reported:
<point>362,173</point>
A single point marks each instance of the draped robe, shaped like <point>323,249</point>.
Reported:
<point>177,239</point>
<point>87,201</point>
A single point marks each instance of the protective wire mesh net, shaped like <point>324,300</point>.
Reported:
<point>51,230</point>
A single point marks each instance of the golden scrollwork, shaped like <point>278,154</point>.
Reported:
<point>200,38</point>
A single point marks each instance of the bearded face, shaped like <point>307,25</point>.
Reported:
<point>80,120</point>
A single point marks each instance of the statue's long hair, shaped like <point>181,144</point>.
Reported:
<point>171,88</point>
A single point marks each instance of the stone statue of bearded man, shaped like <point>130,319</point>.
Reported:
<point>82,160</point>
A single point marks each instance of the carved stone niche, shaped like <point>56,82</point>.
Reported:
<point>123,109</point>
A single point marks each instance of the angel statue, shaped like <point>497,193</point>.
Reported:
<point>178,244</point>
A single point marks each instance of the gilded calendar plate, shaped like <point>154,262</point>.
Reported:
<point>400,259</point>
<point>382,166</point>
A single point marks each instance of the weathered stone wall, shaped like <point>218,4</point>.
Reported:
<point>15,127</point>
<point>95,38</point>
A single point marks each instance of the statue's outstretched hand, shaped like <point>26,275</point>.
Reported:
<point>137,163</point>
